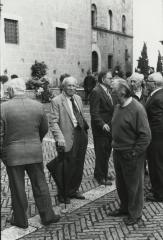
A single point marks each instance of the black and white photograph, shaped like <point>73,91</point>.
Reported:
<point>81,119</point>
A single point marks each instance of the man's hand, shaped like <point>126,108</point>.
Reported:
<point>106,127</point>
<point>60,145</point>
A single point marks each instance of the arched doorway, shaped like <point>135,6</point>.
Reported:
<point>94,61</point>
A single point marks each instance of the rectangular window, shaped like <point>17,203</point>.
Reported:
<point>11,31</point>
<point>110,61</point>
<point>60,37</point>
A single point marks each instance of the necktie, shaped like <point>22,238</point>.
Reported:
<point>108,93</point>
<point>77,113</point>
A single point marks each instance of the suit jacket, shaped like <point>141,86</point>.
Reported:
<point>101,110</point>
<point>23,126</point>
<point>61,123</point>
<point>154,108</point>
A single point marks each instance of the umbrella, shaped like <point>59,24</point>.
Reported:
<point>57,168</point>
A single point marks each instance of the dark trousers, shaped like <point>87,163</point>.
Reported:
<point>16,175</point>
<point>155,165</point>
<point>72,168</point>
<point>130,182</point>
<point>102,147</point>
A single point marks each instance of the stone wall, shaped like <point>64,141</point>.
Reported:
<point>37,37</point>
<point>114,42</point>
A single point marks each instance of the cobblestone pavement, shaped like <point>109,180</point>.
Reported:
<point>90,221</point>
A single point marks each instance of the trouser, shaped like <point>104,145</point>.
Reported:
<point>130,182</point>
<point>72,168</point>
<point>102,147</point>
<point>155,165</point>
<point>16,175</point>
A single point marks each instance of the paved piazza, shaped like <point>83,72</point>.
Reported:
<point>82,219</point>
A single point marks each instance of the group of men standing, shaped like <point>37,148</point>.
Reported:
<point>134,131</point>
<point>118,121</point>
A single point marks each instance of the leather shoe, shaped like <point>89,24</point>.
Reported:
<point>77,195</point>
<point>18,225</point>
<point>131,221</point>
<point>154,199</point>
<point>13,223</point>
<point>104,182</point>
<point>62,200</point>
<point>118,213</point>
<point>53,220</point>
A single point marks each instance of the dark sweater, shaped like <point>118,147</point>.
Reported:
<point>130,128</point>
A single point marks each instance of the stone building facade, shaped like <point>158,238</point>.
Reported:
<point>69,36</point>
<point>112,34</point>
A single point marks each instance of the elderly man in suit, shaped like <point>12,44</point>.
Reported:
<point>69,129</point>
<point>135,82</point>
<point>138,90</point>
<point>101,110</point>
<point>23,126</point>
<point>154,108</point>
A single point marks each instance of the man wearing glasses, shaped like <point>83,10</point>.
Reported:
<point>154,108</point>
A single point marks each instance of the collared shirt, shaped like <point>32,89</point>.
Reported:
<point>151,94</point>
<point>128,101</point>
<point>138,93</point>
<point>155,91</point>
<point>107,92</point>
<point>71,109</point>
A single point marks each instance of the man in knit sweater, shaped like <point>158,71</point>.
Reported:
<point>131,137</point>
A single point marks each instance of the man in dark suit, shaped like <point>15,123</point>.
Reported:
<point>154,107</point>
<point>23,126</point>
<point>101,110</point>
<point>69,129</point>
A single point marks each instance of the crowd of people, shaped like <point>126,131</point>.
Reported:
<point>126,117</point>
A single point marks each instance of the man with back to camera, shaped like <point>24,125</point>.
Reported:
<point>154,108</point>
<point>23,127</point>
<point>69,129</point>
<point>101,110</point>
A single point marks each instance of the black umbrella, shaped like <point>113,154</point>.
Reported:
<point>57,168</point>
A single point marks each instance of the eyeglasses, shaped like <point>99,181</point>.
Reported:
<point>148,81</point>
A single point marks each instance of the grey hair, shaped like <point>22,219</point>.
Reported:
<point>17,85</point>
<point>121,84</point>
<point>67,79</point>
<point>157,78</point>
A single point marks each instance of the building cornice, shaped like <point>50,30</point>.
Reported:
<point>101,29</point>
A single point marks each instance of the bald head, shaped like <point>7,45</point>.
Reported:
<point>155,81</point>
<point>17,86</point>
<point>155,77</point>
<point>68,80</point>
<point>69,86</point>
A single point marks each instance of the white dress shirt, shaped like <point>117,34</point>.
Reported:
<point>71,109</point>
